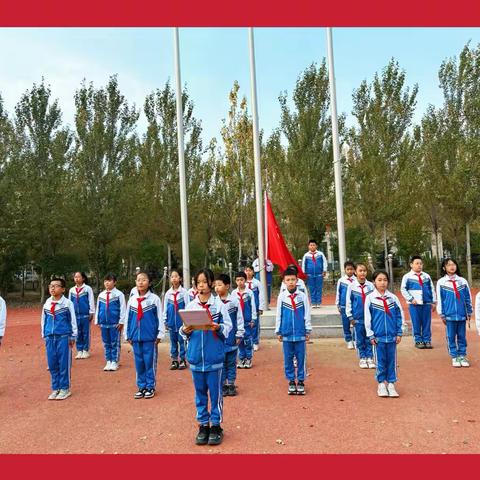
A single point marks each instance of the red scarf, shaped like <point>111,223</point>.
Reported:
<point>78,290</point>
<point>363,293</point>
<point>313,258</point>
<point>52,308</point>
<point>294,305</point>
<point>242,301</point>
<point>420,281</point>
<point>455,289</point>
<point>385,306</point>
<point>139,308</point>
<point>175,302</point>
<point>108,299</point>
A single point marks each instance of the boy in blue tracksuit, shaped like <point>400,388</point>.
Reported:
<point>206,355</point>
<point>175,299</point>
<point>383,323</point>
<point>257,288</point>
<point>81,295</point>
<point>144,329</point>
<point>314,264</point>
<point>341,300</point>
<point>417,289</point>
<point>269,274</point>
<point>293,327</point>
<point>454,305</point>
<point>110,317</point>
<point>59,329</point>
<point>229,372</point>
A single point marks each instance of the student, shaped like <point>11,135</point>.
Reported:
<point>192,291</point>
<point>256,287</point>
<point>383,323</point>
<point>293,327</point>
<point>249,312</point>
<point>454,305</point>
<point>417,289</point>
<point>110,315</point>
<point>144,330</point>
<point>314,264</point>
<point>269,274</point>
<point>81,295</point>
<point>229,372</point>
<point>59,329</point>
<point>206,355</point>
<point>3,318</point>
<point>341,300</point>
<point>175,299</point>
<point>354,310</point>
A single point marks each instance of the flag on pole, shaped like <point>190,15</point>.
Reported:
<point>277,250</point>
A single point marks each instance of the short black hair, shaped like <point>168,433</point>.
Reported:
<point>348,263</point>
<point>292,266</point>
<point>249,267</point>
<point>241,274</point>
<point>59,279</point>
<point>444,264</point>
<point>224,278</point>
<point>312,240</point>
<point>415,257</point>
<point>360,264</point>
<point>110,276</point>
<point>208,274</point>
<point>376,273</point>
<point>290,271</point>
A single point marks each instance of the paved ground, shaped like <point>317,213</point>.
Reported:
<point>438,411</point>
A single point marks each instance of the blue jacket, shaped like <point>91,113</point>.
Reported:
<point>249,308</point>
<point>63,322</point>
<point>116,308</point>
<point>170,314</point>
<point>314,268</point>
<point>384,327</point>
<point>150,326</point>
<point>342,287</point>
<point>448,305</point>
<point>412,290</point>
<point>236,316</point>
<point>205,348</point>
<point>256,287</point>
<point>83,302</point>
<point>293,316</point>
<point>354,308</point>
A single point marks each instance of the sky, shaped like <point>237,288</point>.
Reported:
<point>213,58</point>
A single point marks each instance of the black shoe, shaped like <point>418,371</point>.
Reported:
<point>140,393</point>
<point>292,388</point>
<point>202,435</point>
<point>225,390</point>
<point>427,345</point>
<point>419,345</point>
<point>149,393</point>
<point>174,365</point>
<point>232,390</point>
<point>300,388</point>
<point>216,435</point>
<point>182,365</point>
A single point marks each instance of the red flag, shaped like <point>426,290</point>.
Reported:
<point>278,252</point>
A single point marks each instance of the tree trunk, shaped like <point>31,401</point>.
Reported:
<point>169,257</point>
<point>469,254</point>
<point>42,288</point>
<point>439,254</point>
<point>385,248</point>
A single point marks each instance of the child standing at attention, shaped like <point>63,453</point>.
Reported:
<point>293,327</point>
<point>417,289</point>
<point>81,295</point>
<point>257,288</point>
<point>383,323</point>
<point>455,308</point>
<point>314,264</point>
<point>175,299</point>
<point>341,300</point>
<point>110,316</point>
<point>206,354</point>
<point>59,329</point>
<point>249,312</point>
<point>144,329</point>
<point>354,309</point>
<point>229,372</point>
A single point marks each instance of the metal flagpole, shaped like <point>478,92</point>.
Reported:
<point>336,154</point>
<point>181,164</point>
<point>258,173</point>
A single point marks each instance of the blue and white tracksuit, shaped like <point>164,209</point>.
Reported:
<point>3,316</point>
<point>384,325</point>
<point>58,329</point>
<point>206,355</point>
<point>111,310</point>
<point>256,287</point>
<point>341,301</point>
<point>174,301</point>
<point>269,274</point>
<point>192,294</point>
<point>419,288</point>
<point>454,304</point>
<point>293,324</point>
<point>354,309</point>
<point>84,303</point>
<point>143,331</point>
<point>229,372</point>
<point>249,312</point>
<point>315,265</point>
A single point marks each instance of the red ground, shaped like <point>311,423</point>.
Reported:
<point>438,410</point>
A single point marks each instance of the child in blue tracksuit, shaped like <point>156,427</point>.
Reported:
<point>314,264</point>
<point>3,318</point>
<point>417,289</point>
<point>269,274</point>
<point>175,299</point>
<point>383,323</point>
<point>454,305</point>
<point>248,307</point>
<point>206,355</point>
<point>293,327</point>
<point>357,293</point>
<point>59,329</point>
<point>144,329</point>
<point>229,372</point>
<point>81,295</point>
<point>110,315</point>
<point>341,300</point>
<point>257,288</point>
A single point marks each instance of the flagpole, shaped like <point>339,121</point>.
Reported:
<point>258,173</point>
<point>181,164</point>
<point>336,154</point>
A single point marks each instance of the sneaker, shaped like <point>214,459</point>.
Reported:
<point>140,393</point>
<point>232,390</point>
<point>79,355</point>
<point>248,363</point>
<point>419,345</point>
<point>149,393</point>
<point>113,366</point>
<point>53,395</point>
<point>427,345</point>
<point>202,435</point>
<point>63,394</point>
<point>216,435</point>
<point>382,390</point>
<point>255,347</point>
<point>107,366</point>
<point>292,388</point>
<point>464,362</point>
<point>350,345</point>
<point>182,365</point>
<point>363,363</point>
<point>225,390</point>
<point>241,363</point>
<point>456,362</point>
<point>300,388</point>
<point>174,365</point>
<point>85,354</point>
<point>391,391</point>
<point>371,363</point>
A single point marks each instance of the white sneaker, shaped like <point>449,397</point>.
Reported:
<point>456,362</point>
<point>391,391</point>
<point>464,362</point>
<point>63,394</point>
<point>85,354</point>
<point>79,355</point>
<point>255,347</point>
<point>371,363</point>
<point>350,345</point>
<point>363,363</point>
<point>382,390</point>
<point>113,366</point>
<point>53,395</point>
<point>107,367</point>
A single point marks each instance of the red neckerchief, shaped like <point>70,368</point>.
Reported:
<point>385,306</point>
<point>78,290</point>
<point>108,298</point>
<point>294,305</point>
<point>52,308</point>
<point>420,281</point>
<point>313,258</point>
<point>242,301</point>
<point>350,279</point>
<point>455,289</point>
<point>362,286</point>
<point>175,302</point>
<point>139,308</point>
